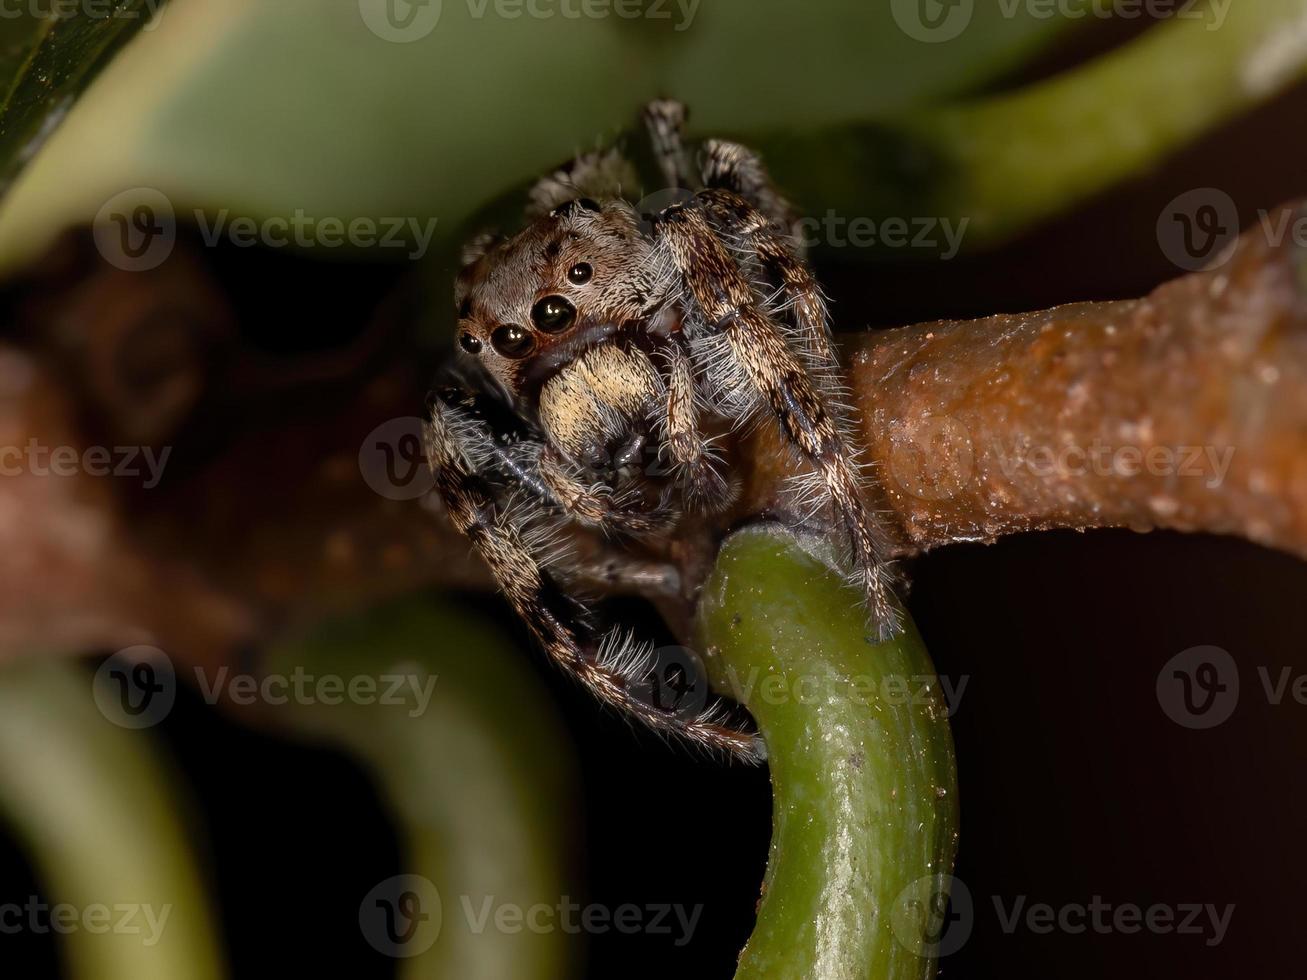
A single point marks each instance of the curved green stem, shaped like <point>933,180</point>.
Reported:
<point>94,806</point>
<point>475,769</point>
<point>864,783</point>
<point>1005,162</point>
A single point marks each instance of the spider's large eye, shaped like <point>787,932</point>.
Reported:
<point>512,341</point>
<point>580,273</point>
<point>469,343</point>
<point>553,314</point>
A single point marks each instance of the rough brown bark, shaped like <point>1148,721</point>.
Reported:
<point>1185,410</point>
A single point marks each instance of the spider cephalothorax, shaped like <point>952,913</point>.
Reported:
<point>623,354</point>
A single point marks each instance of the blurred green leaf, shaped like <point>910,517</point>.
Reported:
<point>300,104</point>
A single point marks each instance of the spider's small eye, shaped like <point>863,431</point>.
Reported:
<point>580,273</point>
<point>553,314</point>
<point>512,341</point>
<point>469,343</point>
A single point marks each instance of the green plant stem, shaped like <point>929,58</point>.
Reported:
<point>1008,161</point>
<point>476,777</point>
<point>864,783</point>
<point>94,805</point>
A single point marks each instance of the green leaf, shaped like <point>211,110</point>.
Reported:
<point>299,104</point>
<point>47,59</point>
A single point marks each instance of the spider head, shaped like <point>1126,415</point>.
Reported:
<point>531,304</point>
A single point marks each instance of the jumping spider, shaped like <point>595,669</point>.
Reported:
<point>598,340</point>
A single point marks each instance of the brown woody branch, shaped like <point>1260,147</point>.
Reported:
<point>1185,410</point>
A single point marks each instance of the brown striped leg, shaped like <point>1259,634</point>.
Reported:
<point>698,468</point>
<point>754,358</point>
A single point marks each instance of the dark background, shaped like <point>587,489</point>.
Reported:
<point>1074,782</point>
